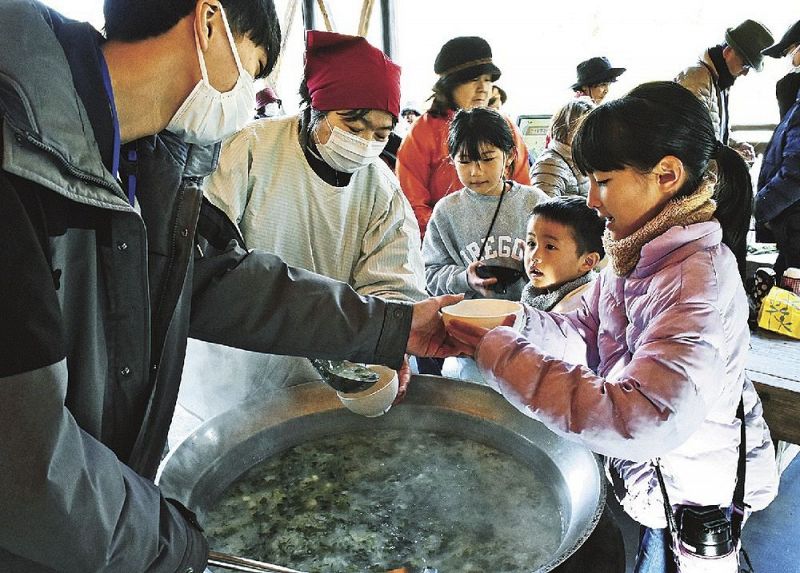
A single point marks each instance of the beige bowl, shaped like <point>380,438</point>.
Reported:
<point>483,312</point>
<point>375,400</point>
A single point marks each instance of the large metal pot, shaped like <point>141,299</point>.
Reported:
<point>202,467</point>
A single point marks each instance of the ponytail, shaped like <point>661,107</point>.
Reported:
<point>734,197</point>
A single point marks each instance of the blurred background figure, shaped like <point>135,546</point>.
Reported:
<point>408,115</point>
<point>268,104</point>
<point>498,98</point>
<point>711,78</point>
<point>554,171</point>
<point>787,87</point>
<point>594,77</point>
<point>426,173</point>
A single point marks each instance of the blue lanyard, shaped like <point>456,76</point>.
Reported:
<point>115,123</point>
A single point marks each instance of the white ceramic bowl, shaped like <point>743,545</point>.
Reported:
<point>375,400</point>
<point>483,312</point>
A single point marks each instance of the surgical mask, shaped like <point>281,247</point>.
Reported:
<point>347,152</point>
<point>208,115</point>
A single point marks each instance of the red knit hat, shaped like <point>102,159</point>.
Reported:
<point>347,72</point>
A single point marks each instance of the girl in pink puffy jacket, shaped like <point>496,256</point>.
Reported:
<point>651,369</point>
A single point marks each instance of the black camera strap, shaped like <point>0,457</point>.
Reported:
<point>738,505</point>
<point>494,218</point>
<point>738,494</point>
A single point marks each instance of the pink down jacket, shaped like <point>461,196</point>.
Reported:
<point>651,366</point>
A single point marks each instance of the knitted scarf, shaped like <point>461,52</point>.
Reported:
<point>545,300</point>
<point>695,208</point>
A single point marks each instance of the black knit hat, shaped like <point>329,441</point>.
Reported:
<point>792,36</point>
<point>596,71</point>
<point>464,58</point>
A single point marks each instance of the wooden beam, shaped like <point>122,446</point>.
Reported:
<point>366,16</point>
<point>327,15</point>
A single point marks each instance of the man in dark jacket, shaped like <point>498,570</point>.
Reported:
<point>111,260</point>
<point>777,205</point>
<point>787,87</point>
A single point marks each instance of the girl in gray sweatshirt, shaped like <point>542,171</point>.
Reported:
<point>482,226</point>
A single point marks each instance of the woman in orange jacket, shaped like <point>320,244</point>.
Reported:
<point>466,74</point>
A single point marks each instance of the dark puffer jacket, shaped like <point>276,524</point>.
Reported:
<point>97,299</point>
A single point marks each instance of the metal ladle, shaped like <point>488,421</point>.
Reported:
<point>252,566</point>
<point>245,565</point>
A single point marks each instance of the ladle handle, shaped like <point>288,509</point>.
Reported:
<point>245,565</point>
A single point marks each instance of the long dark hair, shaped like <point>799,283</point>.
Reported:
<point>664,118</point>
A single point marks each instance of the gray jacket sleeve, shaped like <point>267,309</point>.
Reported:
<point>291,311</point>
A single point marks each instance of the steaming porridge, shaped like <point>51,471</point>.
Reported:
<point>374,502</point>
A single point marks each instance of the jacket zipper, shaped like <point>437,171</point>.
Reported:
<point>68,167</point>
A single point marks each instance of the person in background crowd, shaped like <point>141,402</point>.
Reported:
<point>594,77</point>
<point>268,104</point>
<point>711,78</point>
<point>310,189</point>
<point>787,87</point>
<point>112,259</point>
<point>777,205</point>
<point>650,370</point>
<point>554,171</point>
<point>498,99</point>
<point>410,115</point>
<point>466,73</point>
<point>482,226</point>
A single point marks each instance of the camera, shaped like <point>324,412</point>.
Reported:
<point>505,276</point>
<point>705,531</point>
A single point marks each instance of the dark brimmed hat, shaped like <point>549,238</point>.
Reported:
<point>792,36</point>
<point>464,58</point>
<point>596,71</point>
<point>748,39</point>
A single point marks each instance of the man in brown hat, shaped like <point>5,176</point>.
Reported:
<point>711,78</point>
<point>787,87</point>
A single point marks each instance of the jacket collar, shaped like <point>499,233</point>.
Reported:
<point>43,112</point>
<point>675,245</point>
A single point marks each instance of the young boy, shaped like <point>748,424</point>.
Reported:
<point>562,247</point>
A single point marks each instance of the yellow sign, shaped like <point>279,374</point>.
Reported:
<point>780,312</point>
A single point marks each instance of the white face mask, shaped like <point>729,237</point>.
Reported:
<point>347,152</point>
<point>207,115</point>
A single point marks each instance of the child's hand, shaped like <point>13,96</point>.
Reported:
<point>471,335</point>
<point>482,286</point>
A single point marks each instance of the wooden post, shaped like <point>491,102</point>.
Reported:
<point>366,15</point>
<point>327,16</point>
